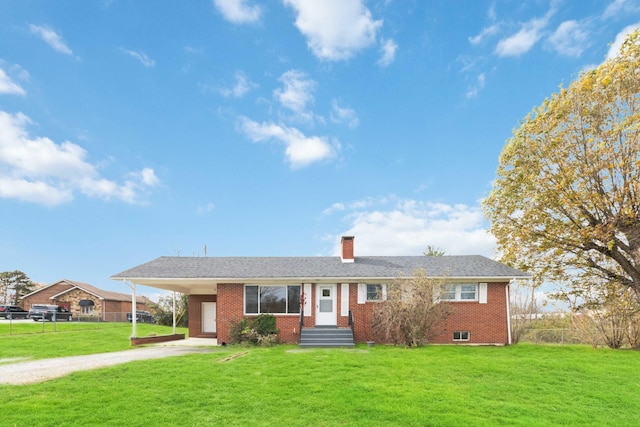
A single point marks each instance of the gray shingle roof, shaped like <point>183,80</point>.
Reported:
<point>100,293</point>
<point>470,266</point>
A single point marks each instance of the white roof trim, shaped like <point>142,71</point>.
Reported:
<point>77,287</point>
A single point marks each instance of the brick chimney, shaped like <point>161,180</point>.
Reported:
<point>346,254</point>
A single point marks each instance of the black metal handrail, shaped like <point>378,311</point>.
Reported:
<point>301,320</point>
<point>351,325</point>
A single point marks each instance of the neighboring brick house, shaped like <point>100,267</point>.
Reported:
<point>85,301</point>
<point>329,291</point>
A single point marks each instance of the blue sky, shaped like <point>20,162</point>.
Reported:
<point>131,130</point>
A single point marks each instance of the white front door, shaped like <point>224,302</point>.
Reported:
<point>326,303</point>
<point>208,317</point>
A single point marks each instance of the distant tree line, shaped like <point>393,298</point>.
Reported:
<point>14,285</point>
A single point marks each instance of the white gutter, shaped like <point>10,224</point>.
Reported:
<point>185,281</point>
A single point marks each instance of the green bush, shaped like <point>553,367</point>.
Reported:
<point>265,324</point>
<point>260,330</point>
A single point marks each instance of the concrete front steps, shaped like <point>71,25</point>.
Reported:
<point>326,336</point>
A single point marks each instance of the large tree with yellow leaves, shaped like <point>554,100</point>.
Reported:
<point>566,201</point>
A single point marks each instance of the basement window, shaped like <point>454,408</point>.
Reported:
<point>461,335</point>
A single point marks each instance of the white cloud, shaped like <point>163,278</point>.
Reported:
<point>36,169</point>
<point>335,29</point>
<point>477,87</point>
<point>51,38</point>
<point>388,52</point>
<point>300,150</point>
<point>406,227</point>
<point>336,207</point>
<point>296,94</point>
<point>341,114</point>
<point>355,205</point>
<point>149,177</point>
<point>8,86</point>
<point>619,8</point>
<point>34,192</point>
<point>486,32</point>
<point>614,49</point>
<point>522,41</point>
<point>238,11</point>
<point>240,88</point>
<point>209,207</point>
<point>569,39</point>
<point>491,13</point>
<point>141,57</point>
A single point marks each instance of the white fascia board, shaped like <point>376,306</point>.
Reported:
<point>152,281</point>
<point>73,289</point>
<point>202,286</point>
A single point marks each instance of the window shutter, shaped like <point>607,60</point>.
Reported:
<point>362,293</point>
<point>344,300</point>
<point>482,294</point>
<point>384,292</point>
<point>307,299</point>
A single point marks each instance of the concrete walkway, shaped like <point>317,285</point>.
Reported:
<point>27,372</point>
<point>190,342</point>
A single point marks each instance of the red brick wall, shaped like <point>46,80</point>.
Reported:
<point>230,309</point>
<point>486,323</point>
<point>44,296</point>
<point>112,310</point>
<point>112,307</point>
<point>195,315</point>
<point>361,316</point>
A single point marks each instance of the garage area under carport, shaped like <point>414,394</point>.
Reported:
<point>202,306</point>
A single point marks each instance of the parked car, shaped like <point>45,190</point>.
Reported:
<point>13,312</point>
<point>142,317</point>
<point>49,312</point>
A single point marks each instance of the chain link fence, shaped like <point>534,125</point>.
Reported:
<point>78,323</point>
<point>553,336</point>
<point>592,337</point>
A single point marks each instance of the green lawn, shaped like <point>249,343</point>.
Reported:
<point>523,385</point>
<point>37,340</point>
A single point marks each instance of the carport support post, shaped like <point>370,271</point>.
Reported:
<point>174,312</point>
<point>134,310</point>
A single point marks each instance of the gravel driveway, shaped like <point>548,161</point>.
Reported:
<point>12,372</point>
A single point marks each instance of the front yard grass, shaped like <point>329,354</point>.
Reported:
<point>70,338</point>
<point>523,385</point>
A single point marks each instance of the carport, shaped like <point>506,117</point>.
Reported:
<point>192,286</point>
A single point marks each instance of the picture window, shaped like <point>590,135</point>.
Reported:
<point>273,299</point>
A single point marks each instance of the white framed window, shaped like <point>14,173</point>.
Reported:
<point>461,335</point>
<point>375,293</point>
<point>86,309</point>
<point>459,292</point>
<point>274,299</point>
<point>369,292</point>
